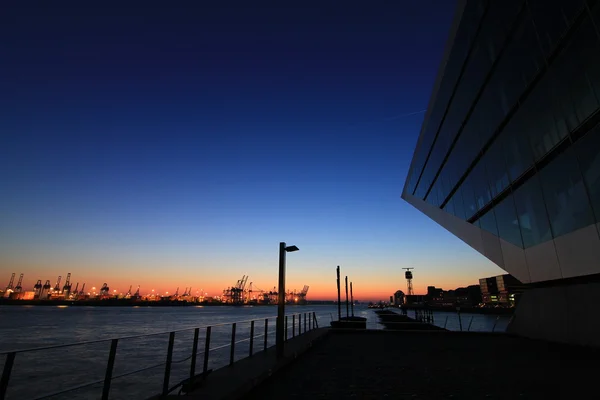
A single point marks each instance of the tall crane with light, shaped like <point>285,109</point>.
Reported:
<point>409,286</point>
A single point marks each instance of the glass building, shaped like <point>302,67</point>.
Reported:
<point>508,157</point>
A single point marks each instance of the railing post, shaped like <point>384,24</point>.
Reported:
<point>294,325</point>
<point>299,324</point>
<point>232,353</point>
<point>309,322</point>
<point>470,322</point>
<point>109,369</point>
<point>266,332</point>
<point>206,351</point>
<point>304,322</point>
<point>194,353</point>
<point>8,364</point>
<point>316,323</point>
<point>165,391</point>
<point>251,336</point>
<point>286,328</point>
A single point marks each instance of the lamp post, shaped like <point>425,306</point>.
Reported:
<point>279,333</point>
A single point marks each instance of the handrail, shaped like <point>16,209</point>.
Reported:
<point>167,363</point>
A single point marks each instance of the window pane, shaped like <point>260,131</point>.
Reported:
<point>518,150</point>
<point>588,152</point>
<point>508,223</point>
<point>468,197</point>
<point>488,222</point>
<point>549,20</point>
<point>566,200</point>
<point>497,177</point>
<point>531,211</point>
<point>449,207</point>
<point>459,209</point>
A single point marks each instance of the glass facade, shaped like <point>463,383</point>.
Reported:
<point>512,142</point>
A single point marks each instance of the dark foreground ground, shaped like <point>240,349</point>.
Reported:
<point>435,365</point>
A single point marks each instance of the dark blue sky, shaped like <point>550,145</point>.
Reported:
<point>139,139</point>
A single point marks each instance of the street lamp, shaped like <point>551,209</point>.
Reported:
<point>281,299</point>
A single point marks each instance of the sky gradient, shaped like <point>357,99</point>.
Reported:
<point>175,147</point>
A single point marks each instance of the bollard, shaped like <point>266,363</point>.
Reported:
<point>232,351</point>
<point>165,391</point>
<point>194,354</point>
<point>206,351</point>
<point>251,337</point>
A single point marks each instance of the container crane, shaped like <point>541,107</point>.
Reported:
<point>75,292</point>
<point>137,293</point>
<point>104,290</point>
<point>249,293</point>
<point>302,295</point>
<point>57,287</point>
<point>46,288</point>
<point>237,292</point>
<point>67,286</point>
<point>19,286</point>
<point>82,292</point>
<point>128,295</point>
<point>10,283</point>
<point>37,288</point>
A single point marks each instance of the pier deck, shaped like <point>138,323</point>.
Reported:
<point>434,365</point>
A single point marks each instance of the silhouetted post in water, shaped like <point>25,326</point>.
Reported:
<point>339,296</point>
<point>347,311</point>
<point>279,332</point>
<point>351,300</point>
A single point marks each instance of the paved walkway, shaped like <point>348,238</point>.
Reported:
<point>434,365</point>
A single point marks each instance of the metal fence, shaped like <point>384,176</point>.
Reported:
<point>139,365</point>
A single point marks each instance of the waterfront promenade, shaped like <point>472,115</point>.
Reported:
<point>416,365</point>
<point>435,365</point>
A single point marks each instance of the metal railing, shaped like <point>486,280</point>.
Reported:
<point>306,321</point>
<point>460,322</point>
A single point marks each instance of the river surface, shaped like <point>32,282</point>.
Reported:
<point>41,373</point>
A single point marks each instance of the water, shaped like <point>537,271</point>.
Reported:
<point>41,373</point>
